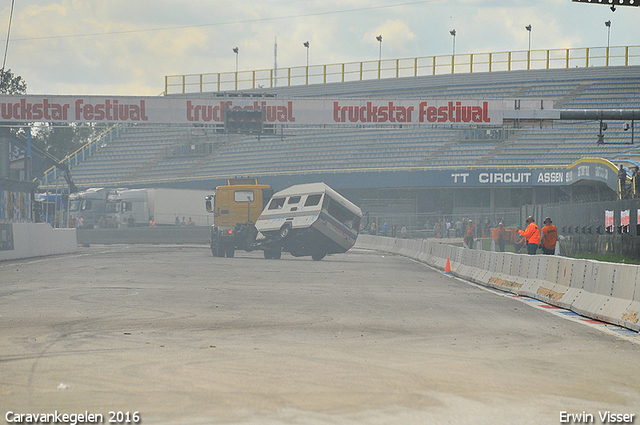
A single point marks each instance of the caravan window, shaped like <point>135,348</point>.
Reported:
<point>243,195</point>
<point>313,200</point>
<point>276,203</point>
<point>343,215</point>
<point>294,199</point>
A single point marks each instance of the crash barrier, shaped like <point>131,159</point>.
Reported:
<point>145,235</point>
<point>25,240</point>
<point>606,292</point>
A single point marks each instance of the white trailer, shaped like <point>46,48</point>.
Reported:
<point>167,204</point>
<point>164,205</point>
<point>308,219</point>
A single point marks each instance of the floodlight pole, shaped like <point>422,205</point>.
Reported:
<point>453,34</point>
<point>608,25</point>
<point>235,50</point>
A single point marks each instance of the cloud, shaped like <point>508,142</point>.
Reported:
<point>99,47</point>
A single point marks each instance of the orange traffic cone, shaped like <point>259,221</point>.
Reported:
<point>447,268</point>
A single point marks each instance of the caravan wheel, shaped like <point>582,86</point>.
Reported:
<point>284,230</point>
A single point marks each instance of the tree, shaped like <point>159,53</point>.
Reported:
<point>11,84</point>
<point>61,140</point>
<point>58,140</point>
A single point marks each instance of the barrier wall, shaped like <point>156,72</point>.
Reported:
<point>603,291</point>
<point>146,235</point>
<point>36,240</point>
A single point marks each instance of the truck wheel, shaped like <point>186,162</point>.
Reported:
<point>268,254</point>
<point>214,250</point>
<point>220,251</point>
<point>317,256</point>
<point>276,254</point>
<point>230,251</point>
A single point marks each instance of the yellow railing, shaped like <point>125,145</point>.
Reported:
<point>411,67</point>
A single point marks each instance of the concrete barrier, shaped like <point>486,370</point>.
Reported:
<point>36,240</point>
<point>631,317</point>
<point>603,291</point>
<point>159,235</point>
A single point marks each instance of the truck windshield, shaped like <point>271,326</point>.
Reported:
<point>113,207</point>
<point>75,205</point>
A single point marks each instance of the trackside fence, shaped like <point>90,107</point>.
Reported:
<point>603,291</point>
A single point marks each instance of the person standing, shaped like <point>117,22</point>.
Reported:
<point>500,236</point>
<point>635,182</point>
<point>622,180</point>
<point>531,236</point>
<point>470,235</point>
<point>549,237</point>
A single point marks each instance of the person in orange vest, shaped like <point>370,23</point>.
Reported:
<point>471,233</point>
<point>549,237</point>
<point>531,236</point>
<point>500,236</point>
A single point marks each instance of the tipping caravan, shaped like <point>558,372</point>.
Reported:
<point>308,219</point>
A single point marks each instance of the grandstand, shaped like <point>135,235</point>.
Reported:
<point>374,157</point>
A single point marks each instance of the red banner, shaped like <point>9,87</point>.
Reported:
<point>341,111</point>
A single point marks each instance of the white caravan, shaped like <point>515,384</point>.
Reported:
<point>308,219</point>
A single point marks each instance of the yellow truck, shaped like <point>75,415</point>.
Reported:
<point>236,208</point>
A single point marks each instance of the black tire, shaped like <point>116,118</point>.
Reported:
<point>276,254</point>
<point>285,230</point>
<point>214,250</point>
<point>220,251</point>
<point>317,256</point>
<point>268,254</point>
<point>230,251</point>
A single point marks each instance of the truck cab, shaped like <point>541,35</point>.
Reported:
<point>236,208</point>
<point>90,205</point>
<point>129,203</point>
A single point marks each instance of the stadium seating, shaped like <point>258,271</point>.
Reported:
<point>152,153</point>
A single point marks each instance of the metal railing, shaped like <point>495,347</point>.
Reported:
<point>408,67</point>
<point>88,149</point>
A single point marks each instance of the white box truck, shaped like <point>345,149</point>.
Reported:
<point>165,206</point>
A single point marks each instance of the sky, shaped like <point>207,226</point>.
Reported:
<point>127,47</point>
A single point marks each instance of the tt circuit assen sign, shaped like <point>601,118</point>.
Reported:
<point>199,110</point>
<point>585,169</point>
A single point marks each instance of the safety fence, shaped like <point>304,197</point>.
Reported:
<point>603,291</point>
<point>407,67</point>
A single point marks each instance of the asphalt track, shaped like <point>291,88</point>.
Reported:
<point>182,337</point>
